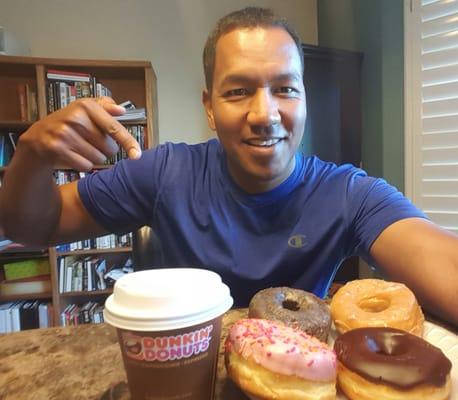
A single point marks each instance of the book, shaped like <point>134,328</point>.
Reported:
<point>2,150</point>
<point>60,75</point>
<point>4,242</point>
<point>61,262</point>
<point>11,288</point>
<point>29,315</point>
<point>132,115</point>
<point>69,278</point>
<point>43,315</point>
<point>26,268</point>
<point>14,248</point>
<point>22,97</point>
<point>28,106</point>
<point>14,137</point>
<point>5,321</point>
<point>6,150</point>
<point>15,313</point>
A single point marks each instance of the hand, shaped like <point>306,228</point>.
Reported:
<point>80,135</point>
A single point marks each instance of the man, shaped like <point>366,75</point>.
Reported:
<point>248,206</point>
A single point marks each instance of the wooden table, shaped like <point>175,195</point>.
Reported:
<point>81,362</point>
<point>84,362</point>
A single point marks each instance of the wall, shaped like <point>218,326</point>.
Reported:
<point>376,28</point>
<point>169,33</point>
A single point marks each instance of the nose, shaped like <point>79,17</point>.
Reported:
<point>263,110</point>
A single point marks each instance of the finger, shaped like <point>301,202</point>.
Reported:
<point>75,161</point>
<point>92,134</point>
<point>108,125</point>
<point>78,144</point>
<point>110,106</point>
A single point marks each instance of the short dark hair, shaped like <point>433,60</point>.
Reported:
<point>249,17</point>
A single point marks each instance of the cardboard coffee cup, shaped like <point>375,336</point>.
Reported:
<point>169,328</point>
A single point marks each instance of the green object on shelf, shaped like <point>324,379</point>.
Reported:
<point>26,269</point>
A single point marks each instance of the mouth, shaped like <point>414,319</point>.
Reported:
<point>263,142</point>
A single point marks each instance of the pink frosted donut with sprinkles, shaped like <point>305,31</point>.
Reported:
<point>269,360</point>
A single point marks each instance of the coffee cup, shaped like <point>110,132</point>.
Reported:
<point>169,327</point>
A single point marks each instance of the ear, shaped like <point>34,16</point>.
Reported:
<point>207,102</point>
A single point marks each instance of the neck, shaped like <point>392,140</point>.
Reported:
<point>259,184</point>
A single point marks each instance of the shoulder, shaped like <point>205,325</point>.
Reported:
<point>173,152</point>
<point>172,161</point>
<point>323,172</point>
<point>346,181</point>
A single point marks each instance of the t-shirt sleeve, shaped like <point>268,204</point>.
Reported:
<point>123,198</point>
<point>375,205</point>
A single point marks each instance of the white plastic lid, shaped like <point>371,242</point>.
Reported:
<point>164,299</point>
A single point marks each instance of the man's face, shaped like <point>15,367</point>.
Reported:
<point>257,105</point>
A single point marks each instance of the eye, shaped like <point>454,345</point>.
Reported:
<point>286,90</point>
<point>239,92</point>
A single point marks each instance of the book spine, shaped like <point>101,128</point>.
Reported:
<point>22,97</point>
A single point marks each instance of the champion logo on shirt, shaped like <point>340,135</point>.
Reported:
<point>297,241</point>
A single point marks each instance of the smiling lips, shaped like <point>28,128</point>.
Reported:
<point>263,142</point>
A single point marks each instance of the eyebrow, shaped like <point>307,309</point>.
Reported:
<point>247,79</point>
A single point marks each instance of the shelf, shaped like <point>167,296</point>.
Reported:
<point>59,168</point>
<point>102,166</point>
<point>26,296</point>
<point>94,251</point>
<point>135,122</point>
<point>15,124</point>
<point>20,255</point>
<point>127,80</point>
<point>86,293</point>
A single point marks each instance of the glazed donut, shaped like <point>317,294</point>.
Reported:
<point>270,360</point>
<point>295,308</point>
<point>375,302</point>
<point>391,364</point>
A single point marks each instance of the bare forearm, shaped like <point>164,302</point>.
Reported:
<point>438,293</point>
<point>425,258</point>
<point>30,201</point>
<point>32,208</point>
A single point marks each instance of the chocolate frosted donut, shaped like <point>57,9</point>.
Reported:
<point>396,363</point>
<point>293,307</point>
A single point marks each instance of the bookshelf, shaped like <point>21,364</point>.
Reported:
<point>25,94</point>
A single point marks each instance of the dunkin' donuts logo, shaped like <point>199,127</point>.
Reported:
<point>167,348</point>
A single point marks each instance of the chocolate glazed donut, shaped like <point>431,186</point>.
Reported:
<point>293,307</point>
<point>398,360</point>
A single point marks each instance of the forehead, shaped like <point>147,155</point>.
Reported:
<point>256,51</point>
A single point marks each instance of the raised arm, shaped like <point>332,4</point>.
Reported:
<point>424,257</point>
<point>35,210</point>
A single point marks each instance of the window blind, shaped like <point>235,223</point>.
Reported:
<point>432,109</point>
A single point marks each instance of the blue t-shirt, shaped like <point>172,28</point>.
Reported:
<point>295,235</point>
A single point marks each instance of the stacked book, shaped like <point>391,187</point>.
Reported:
<point>89,313</point>
<point>62,177</point>
<point>66,86</point>
<point>138,133</point>
<point>77,274</point>
<point>111,241</point>
<point>22,315</point>
<point>132,112</point>
<point>135,114</point>
<point>26,277</point>
<point>86,274</point>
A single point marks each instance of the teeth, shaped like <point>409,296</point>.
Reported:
<point>265,143</point>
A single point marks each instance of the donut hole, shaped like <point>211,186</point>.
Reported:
<point>374,304</point>
<point>291,305</point>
